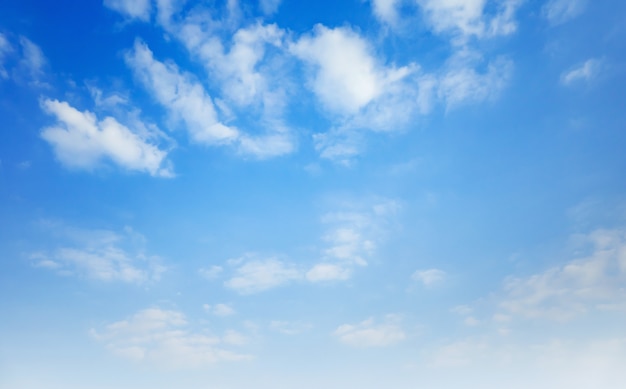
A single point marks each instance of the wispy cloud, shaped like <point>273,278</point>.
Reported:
<point>582,72</point>
<point>593,282</point>
<point>254,275</point>
<point>561,11</point>
<point>181,95</point>
<point>132,9</point>
<point>368,333</point>
<point>429,277</point>
<point>164,337</point>
<point>101,255</point>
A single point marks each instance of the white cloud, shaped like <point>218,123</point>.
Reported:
<point>223,310</point>
<point>468,18</point>
<point>346,75</point>
<point>429,277</point>
<point>81,141</point>
<point>163,337</point>
<point>328,272</point>
<point>386,10</point>
<point>183,97</point>
<point>133,9</point>
<point>255,276</point>
<point>33,59</point>
<point>269,7</point>
<point>583,72</point>
<point>211,273</point>
<point>577,287</point>
<point>461,83</point>
<point>369,334</point>
<point>104,255</point>
<point>5,49</point>
<point>561,11</point>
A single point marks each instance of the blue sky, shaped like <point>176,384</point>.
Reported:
<point>281,194</point>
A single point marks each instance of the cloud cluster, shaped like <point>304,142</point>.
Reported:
<point>254,71</point>
<point>163,337</point>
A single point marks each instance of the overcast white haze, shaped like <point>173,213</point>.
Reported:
<point>372,194</point>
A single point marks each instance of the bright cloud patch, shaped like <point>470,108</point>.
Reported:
<point>81,141</point>
<point>163,337</point>
<point>346,76</point>
<point>370,334</point>
<point>134,9</point>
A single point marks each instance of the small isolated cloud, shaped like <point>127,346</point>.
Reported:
<point>594,282</point>
<point>211,273</point>
<point>221,310</point>
<point>33,59</point>
<point>370,334</point>
<point>82,141</point>
<point>429,277</point>
<point>328,272</point>
<point>100,255</point>
<point>561,11</point>
<point>257,275</point>
<point>386,11</point>
<point>181,95</point>
<point>164,337</point>
<point>132,9</point>
<point>269,7</point>
<point>583,72</point>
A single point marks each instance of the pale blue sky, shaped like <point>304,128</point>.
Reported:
<point>279,194</point>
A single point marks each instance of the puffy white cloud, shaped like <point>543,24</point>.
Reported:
<point>386,10</point>
<point>255,275</point>
<point>133,9</point>
<point>429,277</point>
<point>583,72</point>
<point>105,256</point>
<point>163,337</point>
<point>346,75</point>
<point>593,282</point>
<point>183,97</point>
<point>370,334</point>
<point>81,141</point>
<point>561,11</point>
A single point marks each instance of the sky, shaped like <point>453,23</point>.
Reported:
<point>231,194</point>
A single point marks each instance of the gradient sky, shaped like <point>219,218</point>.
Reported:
<point>405,194</point>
